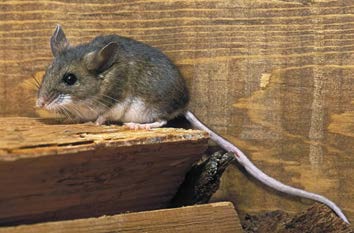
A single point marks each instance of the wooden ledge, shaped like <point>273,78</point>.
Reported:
<point>218,217</point>
<point>31,137</point>
<point>54,171</point>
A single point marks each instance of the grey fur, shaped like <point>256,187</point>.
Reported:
<point>125,68</point>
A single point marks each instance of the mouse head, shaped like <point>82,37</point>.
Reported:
<point>75,74</point>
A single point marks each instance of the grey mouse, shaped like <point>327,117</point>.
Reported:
<point>114,78</point>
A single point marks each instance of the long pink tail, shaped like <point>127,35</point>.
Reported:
<point>257,173</point>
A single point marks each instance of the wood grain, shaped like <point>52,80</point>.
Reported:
<point>55,172</point>
<point>214,218</point>
<point>275,77</point>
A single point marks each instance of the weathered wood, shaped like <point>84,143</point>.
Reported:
<point>275,77</point>
<point>317,219</point>
<point>214,218</point>
<point>53,172</point>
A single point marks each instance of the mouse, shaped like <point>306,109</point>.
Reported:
<point>116,78</point>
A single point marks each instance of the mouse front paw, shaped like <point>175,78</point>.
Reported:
<point>100,120</point>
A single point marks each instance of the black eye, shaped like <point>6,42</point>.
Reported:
<point>69,79</point>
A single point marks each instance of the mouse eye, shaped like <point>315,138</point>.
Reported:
<point>69,79</point>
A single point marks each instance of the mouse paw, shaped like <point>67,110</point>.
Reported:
<point>146,126</point>
<point>100,120</point>
<point>136,126</point>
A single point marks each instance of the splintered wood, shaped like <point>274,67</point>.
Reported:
<point>213,218</point>
<point>52,171</point>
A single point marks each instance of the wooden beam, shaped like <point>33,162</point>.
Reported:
<point>214,218</point>
<point>52,171</point>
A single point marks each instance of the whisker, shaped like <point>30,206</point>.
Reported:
<point>67,112</point>
<point>36,81</point>
<point>100,103</point>
<point>109,97</point>
<point>76,110</point>
<point>93,110</point>
<point>51,97</point>
<point>51,100</point>
<point>63,111</point>
<point>33,85</point>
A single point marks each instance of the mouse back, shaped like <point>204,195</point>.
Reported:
<point>154,78</point>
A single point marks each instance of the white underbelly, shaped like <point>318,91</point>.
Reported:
<point>133,110</point>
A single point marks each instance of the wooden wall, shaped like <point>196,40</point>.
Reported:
<point>275,77</point>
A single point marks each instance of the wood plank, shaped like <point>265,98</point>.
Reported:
<point>274,77</point>
<point>214,218</point>
<point>55,171</point>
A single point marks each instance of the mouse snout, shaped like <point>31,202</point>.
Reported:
<point>40,102</point>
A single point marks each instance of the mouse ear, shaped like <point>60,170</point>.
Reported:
<point>58,42</point>
<point>102,59</point>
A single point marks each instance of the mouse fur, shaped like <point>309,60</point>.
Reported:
<point>132,78</point>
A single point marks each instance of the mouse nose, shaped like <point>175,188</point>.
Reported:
<point>40,102</point>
